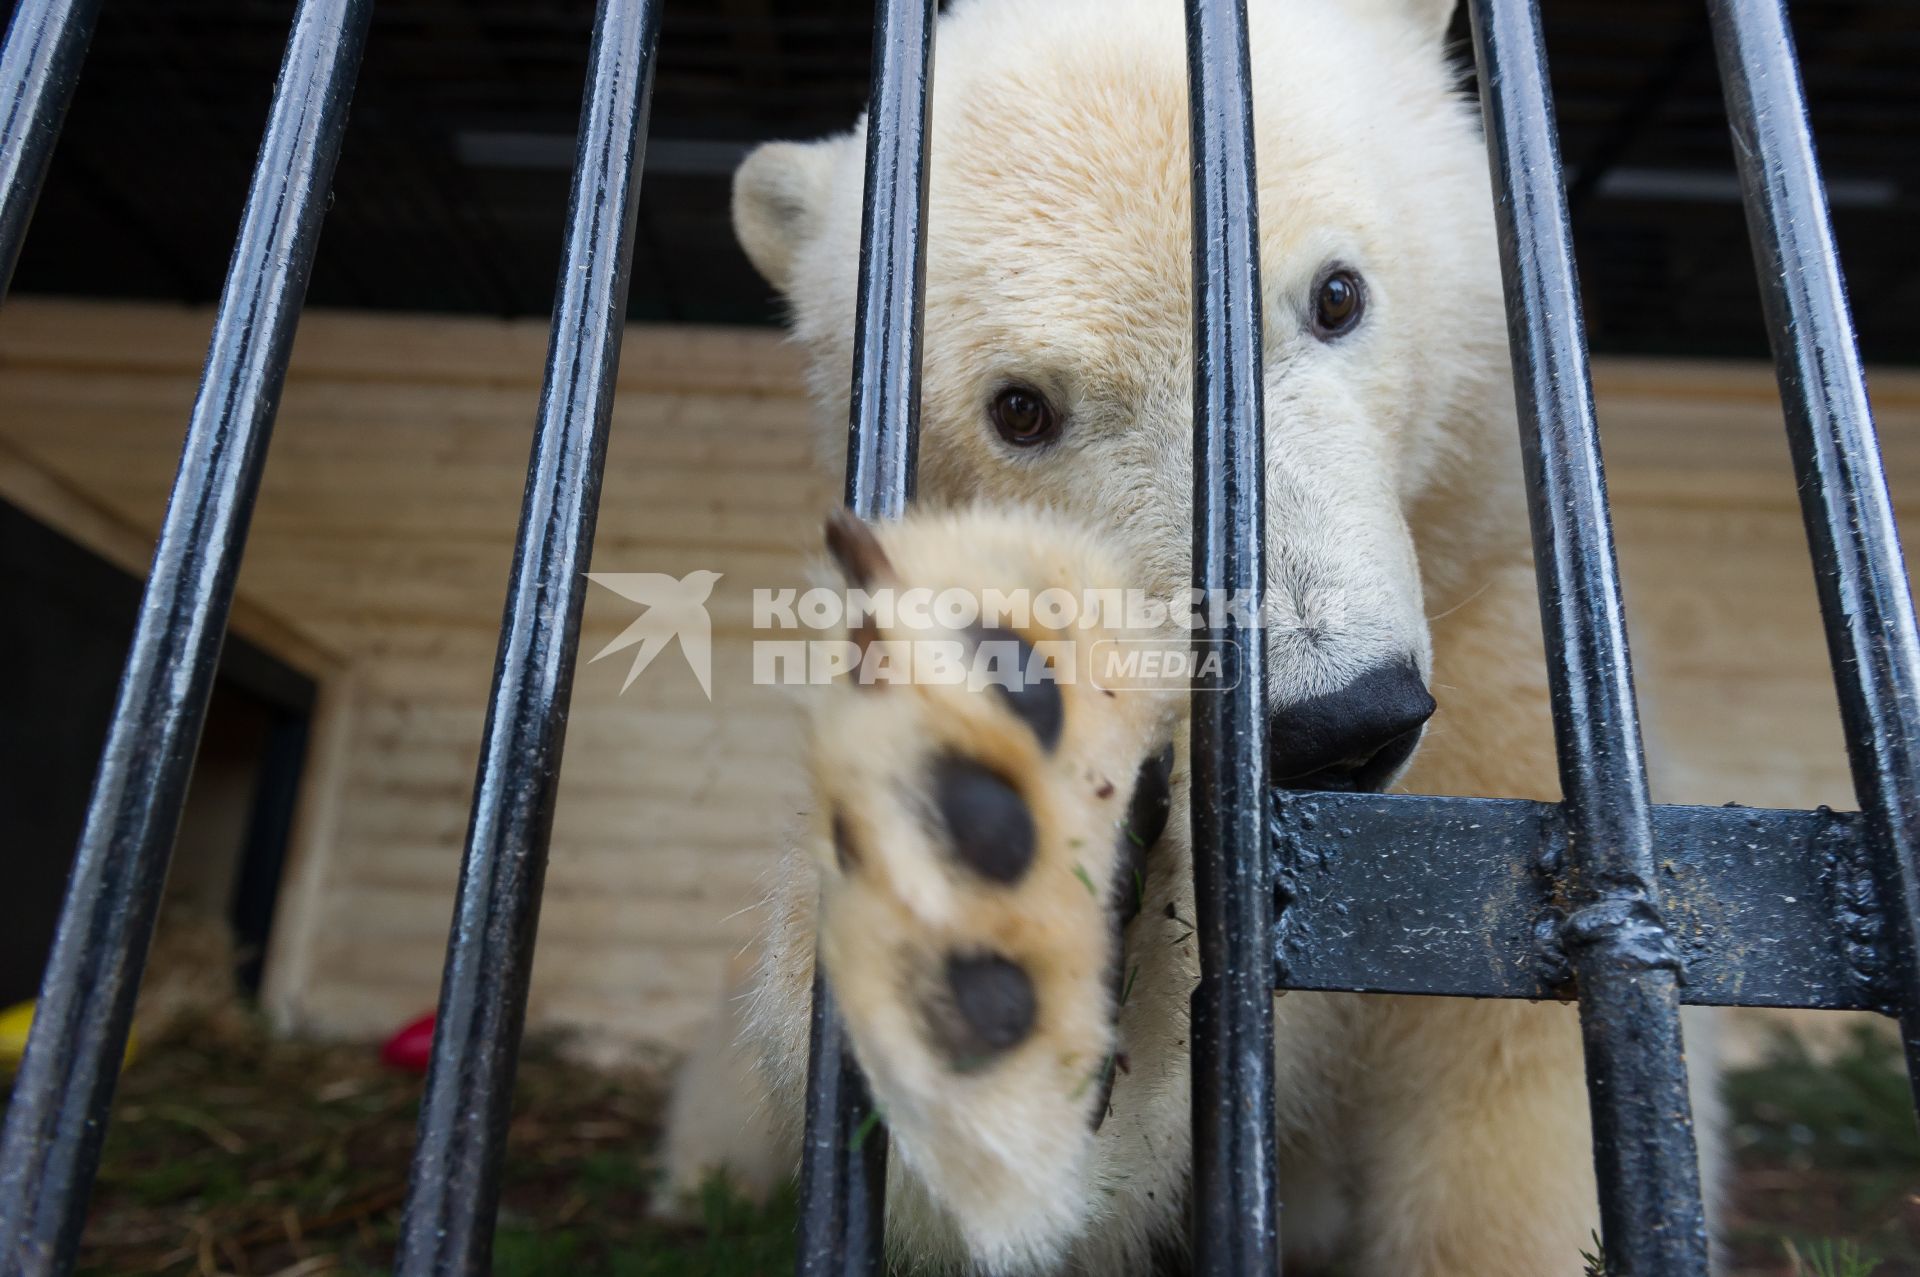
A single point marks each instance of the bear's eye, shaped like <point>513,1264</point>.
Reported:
<point>1339,299</point>
<point>1023,416</point>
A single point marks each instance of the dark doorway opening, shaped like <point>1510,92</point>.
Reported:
<point>64,629</point>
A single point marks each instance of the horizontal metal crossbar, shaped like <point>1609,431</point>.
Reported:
<point>1396,893</point>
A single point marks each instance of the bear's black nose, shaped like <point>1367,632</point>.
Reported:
<point>1351,739</point>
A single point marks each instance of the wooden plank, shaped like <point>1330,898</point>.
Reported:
<point>405,349</point>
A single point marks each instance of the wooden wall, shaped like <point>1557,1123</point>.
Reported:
<point>379,553</point>
<point>379,558</point>
<point>1732,665</point>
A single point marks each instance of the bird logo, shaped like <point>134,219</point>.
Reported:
<point>676,608</point>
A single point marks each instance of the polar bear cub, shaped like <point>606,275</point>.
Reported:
<point>1000,881</point>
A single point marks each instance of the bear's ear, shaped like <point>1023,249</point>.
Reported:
<point>780,195</point>
<point>1430,18</point>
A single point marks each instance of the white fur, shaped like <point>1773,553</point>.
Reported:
<point>1419,1138</point>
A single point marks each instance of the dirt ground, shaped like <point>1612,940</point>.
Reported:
<point>236,1153</point>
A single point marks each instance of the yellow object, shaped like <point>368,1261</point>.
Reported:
<point>16,1021</point>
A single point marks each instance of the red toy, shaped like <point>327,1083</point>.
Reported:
<point>410,1048</point>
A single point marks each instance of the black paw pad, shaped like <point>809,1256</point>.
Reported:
<point>1035,702</point>
<point>987,821</point>
<point>990,1007</point>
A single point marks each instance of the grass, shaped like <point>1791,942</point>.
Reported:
<point>1826,1162</point>
<point>233,1153</point>
<point>1831,1259</point>
<point>1595,1260</point>
<point>735,1239</point>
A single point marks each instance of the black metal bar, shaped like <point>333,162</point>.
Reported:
<point>1235,1209</point>
<point>1627,965</point>
<point>883,431</point>
<point>54,1127</point>
<point>1858,565</point>
<point>843,1162</point>
<point>1398,893</point>
<point>39,67</point>
<point>453,1194</point>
